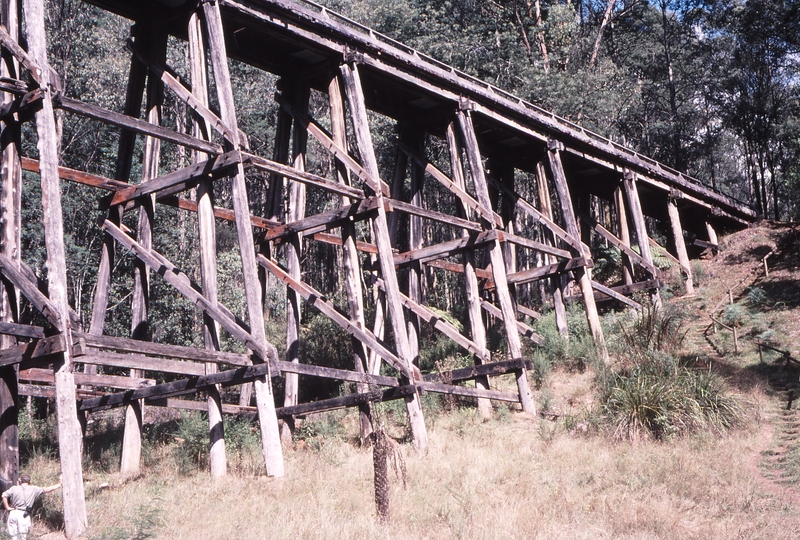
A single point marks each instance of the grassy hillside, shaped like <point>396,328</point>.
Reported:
<point>571,473</point>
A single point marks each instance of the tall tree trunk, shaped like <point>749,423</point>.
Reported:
<point>603,24</point>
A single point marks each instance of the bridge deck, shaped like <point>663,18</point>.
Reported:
<point>304,41</point>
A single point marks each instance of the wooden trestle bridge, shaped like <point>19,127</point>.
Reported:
<point>584,187</point>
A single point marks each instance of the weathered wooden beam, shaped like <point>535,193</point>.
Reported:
<point>10,243</point>
<point>353,400</point>
<point>319,301</point>
<point>456,390</point>
<point>180,180</point>
<point>219,213</point>
<point>334,240</point>
<point>135,346</point>
<point>46,347</point>
<point>207,233</point>
<point>29,289</point>
<point>434,215</point>
<point>640,227</point>
<point>458,190</point>
<point>295,211</point>
<point>446,328</point>
<point>469,268</point>
<point>583,276</point>
<point>180,387</point>
<point>38,375</point>
<point>69,429</point>
<point>184,285</point>
<point>538,217</point>
<point>532,244</point>
<point>624,234</point>
<point>141,362</point>
<point>608,291</point>
<point>469,373</point>
<point>337,374</point>
<point>323,221</point>
<point>351,82</point>
<point>263,164</point>
<point>541,272</point>
<point>350,262</point>
<point>369,178</point>
<point>49,392</point>
<point>619,244</point>
<point>481,273</point>
<point>135,124</point>
<point>624,290</point>
<point>79,177</point>
<point>680,244</point>
<point>509,315</point>
<point>21,330</point>
<point>172,81</point>
<point>446,249</point>
<point>533,314</point>
<point>185,404</point>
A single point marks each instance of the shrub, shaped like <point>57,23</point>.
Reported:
<point>756,296</point>
<point>734,315</point>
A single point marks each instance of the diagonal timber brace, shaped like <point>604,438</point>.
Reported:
<point>318,300</point>
<point>376,184</point>
<point>181,281</point>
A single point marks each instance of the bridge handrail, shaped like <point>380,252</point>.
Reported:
<point>367,31</point>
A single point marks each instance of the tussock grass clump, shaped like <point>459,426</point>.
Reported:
<point>652,330</point>
<point>660,399</point>
<point>652,394</point>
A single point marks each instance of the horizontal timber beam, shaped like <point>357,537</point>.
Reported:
<point>38,375</point>
<point>135,124</point>
<point>483,370</point>
<point>180,180</point>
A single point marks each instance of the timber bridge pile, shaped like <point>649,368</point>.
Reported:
<point>584,188</point>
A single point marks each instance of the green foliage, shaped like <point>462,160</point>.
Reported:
<point>756,296</point>
<point>735,315</point>
<point>658,398</point>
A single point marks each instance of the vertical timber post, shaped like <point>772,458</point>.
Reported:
<point>295,211</point>
<point>712,234</point>
<point>624,235</point>
<point>270,436</point>
<point>639,226</point>
<point>680,244</point>
<point>556,282</point>
<point>496,254</point>
<point>10,221</point>
<point>140,328</point>
<point>571,225</point>
<point>358,112</point>
<point>350,263</point>
<point>478,330</point>
<point>69,428</point>
<point>416,275</point>
<point>207,233</point>
<point>133,105</point>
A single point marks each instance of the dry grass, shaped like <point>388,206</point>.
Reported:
<point>513,477</point>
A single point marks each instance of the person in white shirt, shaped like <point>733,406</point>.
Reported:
<point>18,502</point>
